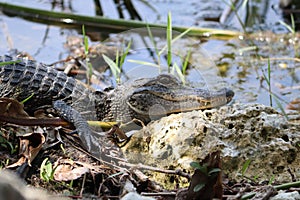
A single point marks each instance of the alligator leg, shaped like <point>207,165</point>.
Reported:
<point>73,116</point>
<point>95,143</point>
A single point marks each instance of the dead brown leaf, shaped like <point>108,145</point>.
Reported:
<point>67,170</point>
<point>12,111</point>
<point>30,145</point>
<point>12,108</point>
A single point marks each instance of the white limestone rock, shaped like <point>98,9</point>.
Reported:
<point>240,131</point>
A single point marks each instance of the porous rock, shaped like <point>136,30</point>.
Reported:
<point>282,195</point>
<point>241,131</point>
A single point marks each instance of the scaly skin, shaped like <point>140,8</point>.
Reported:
<point>143,99</point>
<point>133,100</point>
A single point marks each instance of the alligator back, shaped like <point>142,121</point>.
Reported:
<point>25,78</point>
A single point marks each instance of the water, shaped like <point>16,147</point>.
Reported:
<point>235,63</point>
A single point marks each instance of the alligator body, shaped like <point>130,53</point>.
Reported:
<point>143,99</point>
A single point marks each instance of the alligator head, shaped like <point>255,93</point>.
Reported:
<point>151,98</point>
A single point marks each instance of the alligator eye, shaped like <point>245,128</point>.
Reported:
<point>164,80</point>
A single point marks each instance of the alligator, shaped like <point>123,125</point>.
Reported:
<point>143,99</point>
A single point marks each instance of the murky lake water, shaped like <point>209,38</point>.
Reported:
<point>239,63</point>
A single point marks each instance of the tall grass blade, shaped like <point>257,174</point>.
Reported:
<point>113,66</point>
<point>124,55</point>
<point>271,180</point>
<point>281,107</point>
<point>179,72</point>
<point>116,66</point>
<point>271,94</point>
<point>245,167</point>
<point>86,52</point>
<point>175,39</point>
<point>169,41</point>
<point>117,58</point>
<point>154,45</point>
<point>148,4</point>
<point>85,40</point>
<point>269,77</point>
<point>186,62</point>
<point>268,80</point>
<point>233,6</point>
<point>291,27</point>
<point>293,23</point>
<point>144,63</point>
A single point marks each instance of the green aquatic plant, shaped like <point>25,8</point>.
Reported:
<point>9,62</point>
<point>116,66</point>
<point>292,27</point>
<point>245,167</point>
<point>24,100</point>
<point>86,52</point>
<point>169,41</point>
<point>267,78</point>
<point>173,67</point>
<point>46,170</point>
<point>234,8</point>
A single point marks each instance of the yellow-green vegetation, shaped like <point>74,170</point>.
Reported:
<point>86,52</point>
<point>46,170</point>
<point>116,66</point>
